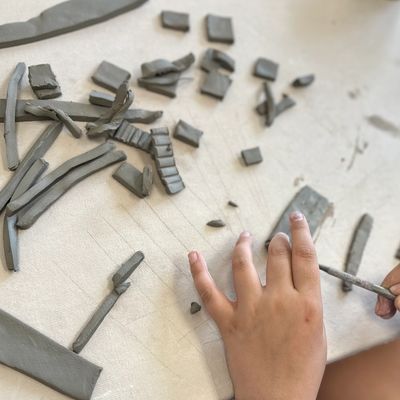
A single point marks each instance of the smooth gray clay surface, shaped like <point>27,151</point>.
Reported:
<point>28,351</point>
<point>175,20</point>
<point>188,134</point>
<point>10,242</point>
<point>131,178</point>
<point>266,69</point>
<point>216,85</point>
<point>43,82</point>
<point>216,223</point>
<point>356,250</point>
<point>132,136</point>
<point>110,76</point>
<point>219,29</point>
<point>10,130</point>
<point>127,269</point>
<point>252,156</point>
<point>303,81</point>
<point>65,17</point>
<point>214,59</point>
<point>101,99</point>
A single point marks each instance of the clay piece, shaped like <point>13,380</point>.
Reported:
<point>356,250</point>
<point>164,156</point>
<point>314,207</point>
<point>101,99</point>
<point>216,85</point>
<point>127,269</point>
<point>216,223</point>
<point>303,81</point>
<point>54,176</point>
<point>188,134</point>
<point>219,29</point>
<point>130,177</point>
<point>270,102</point>
<point>214,59</point>
<point>64,17</point>
<point>132,136</point>
<point>284,104</point>
<point>266,69</point>
<point>147,180</point>
<point>38,149</point>
<point>10,130</point>
<point>110,77</point>
<point>194,307</point>
<point>43,82</point>
<point>76,111</point>
<point>27,218</point>
<point>37,356</point>
<point>56,115</point>
<point>252,156</point>
<point>232,204</point>
<point>175,20</point>
<point>398,253</point>
<point>10,242</point>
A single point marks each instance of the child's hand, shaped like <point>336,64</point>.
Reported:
<point>384,307</point>
<point>274,336</point>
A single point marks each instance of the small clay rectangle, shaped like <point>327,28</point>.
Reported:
<point>175,187</point>
<point>147,180</point>
<point>252,156</point>
<point>42,77</point>
<point>165,162</point>
<point>216,85</point>
<point>110,76</point>
<point>168,171</point>
<point>175,20</point>
<point>163,151</point>
<point>219,29</point>
<point>130,177</point>
<point>266,69</point>
<point>188,134</point>
<point>101,99</point>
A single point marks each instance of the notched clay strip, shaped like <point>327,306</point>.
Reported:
<point>271,111</point>
<point>10,242</point>
<point>132,136</point>
<point>216,223</point>
<point>214,59</point>
<point>127,269</point>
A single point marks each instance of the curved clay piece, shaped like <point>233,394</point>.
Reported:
<point>54,176</point>
<point>303,81</point>
<point>216,223</point>
<point>65,17</point>
<point>158,67</point>
<point>162,80</point>
<point>10,134</point>
<point>38,149</point>
<point>10,242</point>
<point>127,269</point>
<point>28,218</point>
<point>194,307</point>
<point>215,59</point>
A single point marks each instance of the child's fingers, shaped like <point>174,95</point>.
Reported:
<point>385,308</point>
<point>216,303</point>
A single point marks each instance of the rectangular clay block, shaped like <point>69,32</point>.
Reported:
<point>110,76</point>
<point>219,29</point>
<point>130,177</point>
<point>175,20</point>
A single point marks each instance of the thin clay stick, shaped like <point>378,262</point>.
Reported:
<point>127,269</point>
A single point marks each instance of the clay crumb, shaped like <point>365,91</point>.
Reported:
<point>216,223</point>
<point>194,307</point>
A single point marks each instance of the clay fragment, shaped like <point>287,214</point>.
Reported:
<point>101,99</point>
<point>252,156</point>
<point>175,20</point>
<point>10,131</point>
<point>127,269</point>
<point>266,69</point>
<point>216,85</point>
<point>214,59</point>
<point>169,79</point>
<point>110,77</point>
<point>270,102</point>
<point>284,104</point>
<point>158,67</point>
<point>356,250</point>
<point>303,81</point>
<point>38,149</point>
<point>232,204</point>
<point>147,180</point>
<point>165,90</point>
<point>130,177</point>
<point>56,115</point>
<point>132,136</point>
<point>188,134</point>
<point>314,207</point>
<point>194,307</point>
<point>216,223</point>
<point>219,29</point>
<point>43,82</point>
<point>44,201</point>
<point>398,253</point>
<point>10,242</point>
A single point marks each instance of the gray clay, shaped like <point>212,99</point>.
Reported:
<point>270,102</point>
<point>166,172</point>
<point>54,176</point>
<point>216,85</point>
<point>194,307</point>
<point>162,80</point>
<point>10,242</point>
<point>101,99</point>
<point>175,187</point>
<point>127,269</point>
<point>356,250</point>
<point>188,134</point>
<point>131,178</point>
<point>27,218</point>
<point>232,204</point>
<point>313,206</point>
<point>214,59</point>
<point>10,131</point>
<point>98,317</point>
<point>110,77</point>
<point>252,156</point>
<point>165,90</point>
<point>285,104</point>
<point>303,81</point>
<point>162,151</point>
<point>57,115</point>
<point>147,180</point>
<point>158,67</point>
<point>266,69</point>
<point>165,162</point>
<point>46,94</point>
<point>175,20</point>
<point>37,356</point>
<point>397,255</point>
<point>216,223</point>
<point>43,82</point>
<point>64,17</point>
<point>219,29</point>
<point>38,149</point>
<point>132,136</point>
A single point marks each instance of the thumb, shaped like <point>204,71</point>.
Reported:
<point>384,307</point>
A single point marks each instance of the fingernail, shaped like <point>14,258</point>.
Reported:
<point>245,234</point>
<point>395,289</point>
<point>296,216</point>
<point>193,257</point>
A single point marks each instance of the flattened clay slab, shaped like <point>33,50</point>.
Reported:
<point>110,76</point>
<point>188,134</point>
<point>216,223</point>
<point>65,17</point>
<point>10,242</point>
<point>130,177</point>
<point>219,29</point>
<point>43,81</point>
<point>175,20</point>
<point>127,269</point>
<point>215,59</point>
<point>252,156</point>
<point>313,206</point>
<point>35,355</point>
<point>216,85</point>
<point>101,99</point>
<point>266,69</point>
<point>303,81</point>
<point>356,250</point>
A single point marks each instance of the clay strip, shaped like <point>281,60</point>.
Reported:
<point>127,269</point>
<point>10,242</point>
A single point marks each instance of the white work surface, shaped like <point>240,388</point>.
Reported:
<point>150,346</point>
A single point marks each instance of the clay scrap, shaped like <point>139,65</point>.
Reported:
<point>132,136</point>
<point>165,162</point>
<point>10,130</point>
<point>101,99</point>
<point>266,69</point>
<point>252,156</point>
<point>127,269</point>
<point>175,20</point>
<point>303,81</point>
<point>65,17</point>
<point>314,207</point>
<point>216,223</point>
<point>110,77</point>
<point>188,134</point>
<point>216,85</point>
<point>232,204</point>
<point>130,177</point>
<point>10,242</point>
<point>37,356</point>
<point>356,250</point>
<point>214,59</point>
<point>43,82</point>
<point>284,104</point>
<point>194,307</point>
<point>219,29</point>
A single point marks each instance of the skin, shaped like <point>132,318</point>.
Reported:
<point>274,336</point>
